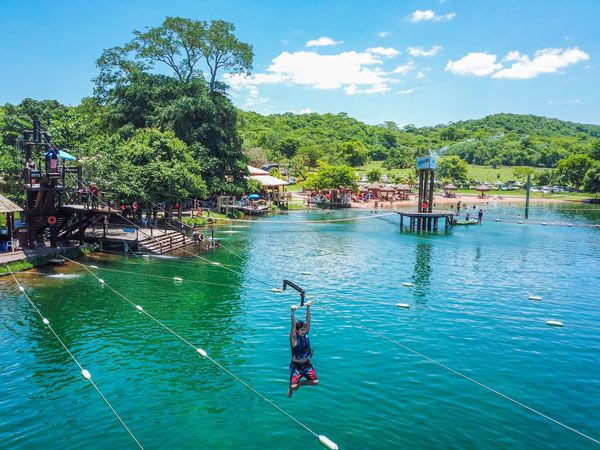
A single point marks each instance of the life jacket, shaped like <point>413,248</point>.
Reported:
<point>302,349</point>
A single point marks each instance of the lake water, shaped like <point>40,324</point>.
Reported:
<point>469,311</point>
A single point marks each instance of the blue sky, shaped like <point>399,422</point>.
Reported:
<point>420,62</point>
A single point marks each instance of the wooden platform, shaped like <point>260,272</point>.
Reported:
<point>422,221</point>
<point>83,208</point>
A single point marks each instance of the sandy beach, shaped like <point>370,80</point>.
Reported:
<point>450,203</point>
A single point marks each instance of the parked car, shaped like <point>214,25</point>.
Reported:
<point>292,180</point>
<point>269,166</point>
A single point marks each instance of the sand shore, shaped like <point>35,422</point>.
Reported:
<point>465,199</point>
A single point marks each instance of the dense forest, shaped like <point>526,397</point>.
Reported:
<point>500,139</point>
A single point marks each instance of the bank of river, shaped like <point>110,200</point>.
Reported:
<point>469,311</point>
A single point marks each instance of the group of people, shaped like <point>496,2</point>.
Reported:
<point>468,213</point>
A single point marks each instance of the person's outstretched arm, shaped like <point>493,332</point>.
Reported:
<point>293,329</point>
<point>308,303</point>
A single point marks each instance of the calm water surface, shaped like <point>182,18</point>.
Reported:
<point>469,311</point>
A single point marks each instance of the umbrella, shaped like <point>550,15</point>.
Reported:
<point>483,187</point>
<point>450,187</point>
<point>254,196</point>
<point>66,155</point>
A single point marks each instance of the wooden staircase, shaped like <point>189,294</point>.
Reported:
<point>163,243</point>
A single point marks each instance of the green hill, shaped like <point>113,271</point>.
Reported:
<point>499,139</point>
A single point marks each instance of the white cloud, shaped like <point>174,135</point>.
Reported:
<point>384,51</point>
<point>355,72</point>
<point>572,101</point>
<point>384,34</point>
<point>404,69</point>
<point>406,91</point>
<point>479,64</point>
<point>323,42</point>
<point>420,75</point>
<point>429,15</point>
<point>306,111</point>
<point>548,60</point>
<point>420,51</point>
<point>375,89</point>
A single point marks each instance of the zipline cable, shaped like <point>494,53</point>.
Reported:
<point>203,353</point>
<point>84,372</point>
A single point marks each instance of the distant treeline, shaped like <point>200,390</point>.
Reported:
<point>500,139</point>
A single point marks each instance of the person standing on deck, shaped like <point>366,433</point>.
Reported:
<point>301,353</point>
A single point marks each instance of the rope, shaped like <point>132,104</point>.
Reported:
<point>466,377</point>
<point>152,237</point>
<point>142,310</point>
<point>347,219</point>
<point>47,323</point>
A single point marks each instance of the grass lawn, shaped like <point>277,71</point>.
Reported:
<point>479,173</point>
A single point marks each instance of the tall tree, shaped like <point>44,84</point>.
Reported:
<point>572,169</point>
<point>221,49</point>
<point>181,44</point>
<point>453,168</point>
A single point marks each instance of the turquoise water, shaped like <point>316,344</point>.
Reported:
<point>469,311</point>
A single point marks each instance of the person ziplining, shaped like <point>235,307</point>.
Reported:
<point>301,353</point>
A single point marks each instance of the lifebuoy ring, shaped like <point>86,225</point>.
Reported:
<point>424,205</point>
<point>51,220</point>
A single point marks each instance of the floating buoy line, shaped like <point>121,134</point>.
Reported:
<point>84,372</point>
<point>203,353</point>
<point>384,337</point>
<point>462,375</point>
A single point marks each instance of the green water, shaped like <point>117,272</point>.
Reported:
<point>469,311</point>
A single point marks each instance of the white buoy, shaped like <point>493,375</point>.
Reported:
<point>21,288</point>
<point>497,220</point>
<point>403,305</point>
<point>570,225</point>
<point>139,308</point>
<point>215,263</point>
<point>555,323</point>
<point>520,222</point>
<point>93,267</point>
<point>537,298</point>
<point>305,273</point>
<point>276,290</point>
<point>544,224</point>
<point>101,280</point>
<point>202,352</point>
<point>177,279</point>
<point>46,321</point>
<point>328,443</point>
<point>406,284</point>
<point>86,374</point>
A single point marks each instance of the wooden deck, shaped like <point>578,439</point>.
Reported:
<point>422,221</point>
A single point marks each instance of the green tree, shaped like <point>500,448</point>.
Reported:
<point>453,168</point>
<point>591,181</point>
<point>288,146</point>
<point>152,166</point>
<point>332,177</point>
<point>181,44</point>
<point>374,175</point>
<point>354,153</point>
<point>572,169</point>
<point>521,172</point>
<point>546,177</point>
<point>310,155</point>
